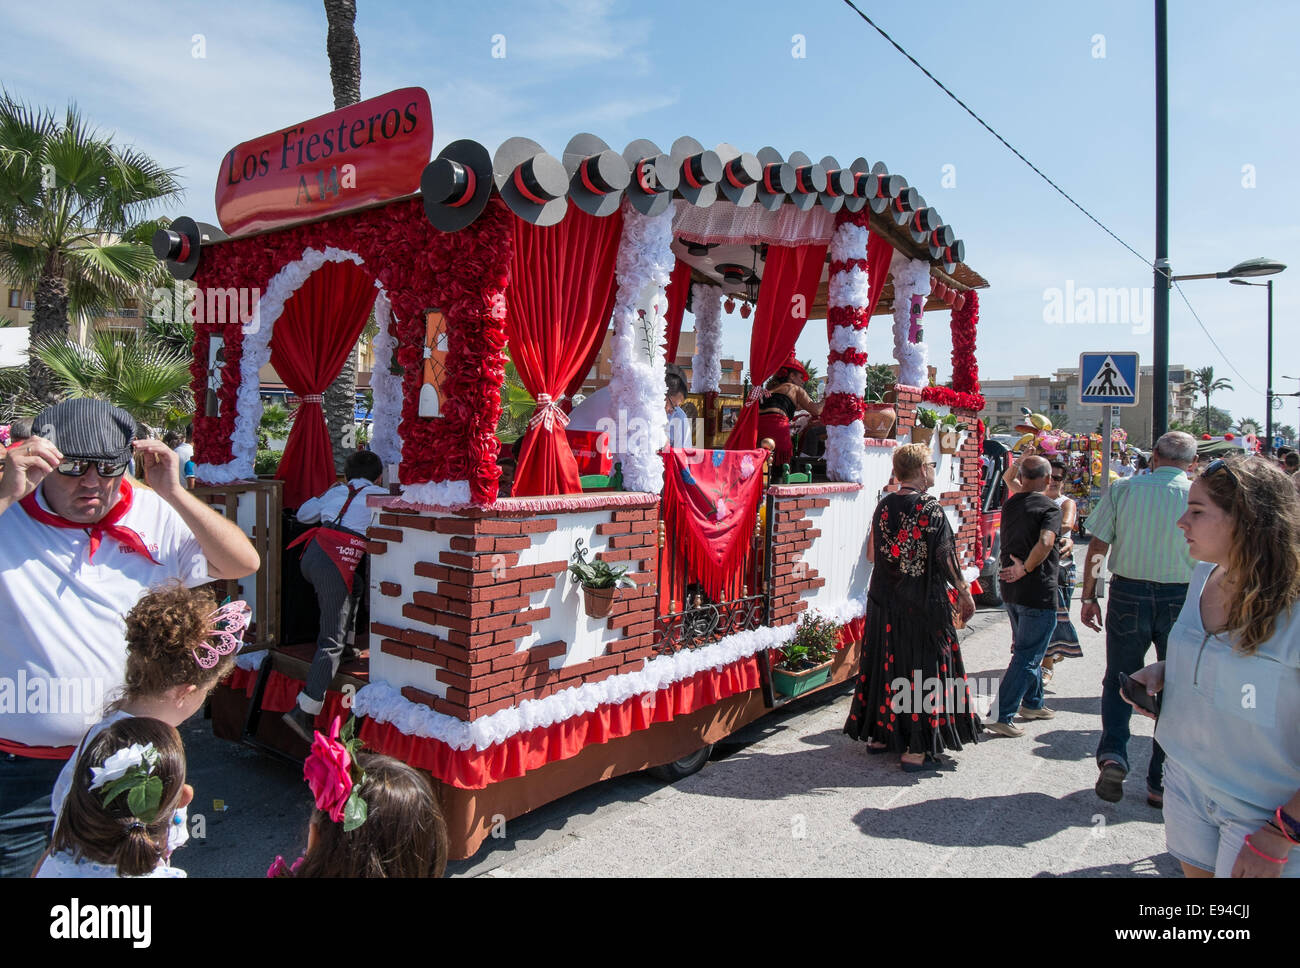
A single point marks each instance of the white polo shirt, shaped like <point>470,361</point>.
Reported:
<point>63,619</point>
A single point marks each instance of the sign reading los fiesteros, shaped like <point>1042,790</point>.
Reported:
<point>361,154</point>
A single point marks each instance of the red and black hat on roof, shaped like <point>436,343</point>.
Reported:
<point>456,185</point>
<point>740,174</point>
<point>886,188</point>
<point>839,185</point>
<point>597,175</point>
<point>809,181</point>
<point>654,177</point>
<point>776,180</point>
<point>863,185</point>
<point>532,183</point>
<point>701,170</point>
<point>178,245</point>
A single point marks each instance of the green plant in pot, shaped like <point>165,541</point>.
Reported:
<point>926,421</point>
<point>950,428</point>
<point>600,582</point>
<point>806,661</point>
<point>879,417</point>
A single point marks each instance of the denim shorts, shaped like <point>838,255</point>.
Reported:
<point>1202,832</point>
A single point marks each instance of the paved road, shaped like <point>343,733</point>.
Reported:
<point>789,795</point>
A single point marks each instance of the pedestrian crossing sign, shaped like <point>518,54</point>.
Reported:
<point>1108,378</point>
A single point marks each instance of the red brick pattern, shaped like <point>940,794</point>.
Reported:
<point>792,535</point>
<point>470,627</point>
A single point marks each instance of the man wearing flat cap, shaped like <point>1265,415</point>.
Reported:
<point>79,545</point>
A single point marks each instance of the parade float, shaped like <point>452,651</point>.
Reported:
<point>489,660</point>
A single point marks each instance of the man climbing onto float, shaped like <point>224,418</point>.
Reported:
<point>335,551</point>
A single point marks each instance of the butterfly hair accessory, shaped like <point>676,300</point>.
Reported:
<point>225,633</point>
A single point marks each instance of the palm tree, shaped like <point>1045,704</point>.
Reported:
<point>148,381</point>
<point>344,50</point>
<point>517,406</point>
<point>72,219</point>
<point>1203,381</point>
<point>1248,425</point>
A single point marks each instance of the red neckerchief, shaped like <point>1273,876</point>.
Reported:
<point>107,525</point>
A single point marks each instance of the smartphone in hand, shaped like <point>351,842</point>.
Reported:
<point>1137,694</point>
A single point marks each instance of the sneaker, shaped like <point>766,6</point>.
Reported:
<point>1004,729</point>
<point>1110,784</point>
<point>1041,713</point>
<point>1155,798</point>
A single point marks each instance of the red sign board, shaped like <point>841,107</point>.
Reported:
<point>364,153</point>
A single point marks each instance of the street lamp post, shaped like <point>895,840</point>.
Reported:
<point>1268,392</point>
<point>1237,276</point>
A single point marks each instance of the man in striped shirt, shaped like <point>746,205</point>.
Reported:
<point>1136,521</point>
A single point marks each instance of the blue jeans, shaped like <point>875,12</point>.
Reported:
<point>1022,685</point>
<point>25,815</point>
<point>1140,614</point>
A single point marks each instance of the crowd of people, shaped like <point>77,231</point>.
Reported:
<point>1204,565</point>
<point>106,581</point>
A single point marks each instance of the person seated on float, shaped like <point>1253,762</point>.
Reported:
<point>335,550</point>
<point>679,423</point>
<point>784,395</point>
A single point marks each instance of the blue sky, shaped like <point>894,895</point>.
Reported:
<point>725,72</point>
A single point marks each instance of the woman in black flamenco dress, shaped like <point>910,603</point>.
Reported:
<point>909,633</point>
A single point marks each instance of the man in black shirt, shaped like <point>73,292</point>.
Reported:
<point>1030,522</point>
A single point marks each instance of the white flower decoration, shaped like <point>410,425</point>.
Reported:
<point>121,763</point>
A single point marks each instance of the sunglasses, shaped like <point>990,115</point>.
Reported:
<point>1216,465</point>
<point>78,466</point>
<point>1058,479</point>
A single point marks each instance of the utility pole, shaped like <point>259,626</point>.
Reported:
<point>1160,338</point>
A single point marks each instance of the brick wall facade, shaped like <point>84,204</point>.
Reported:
<point>475,604</point>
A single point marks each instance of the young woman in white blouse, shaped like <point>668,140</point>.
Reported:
<point>1229,718</point>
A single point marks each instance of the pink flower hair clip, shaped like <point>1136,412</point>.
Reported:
<point>225,634</point>
<point>332,773</point>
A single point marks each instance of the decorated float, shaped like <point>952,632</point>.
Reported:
<point>486,661</point>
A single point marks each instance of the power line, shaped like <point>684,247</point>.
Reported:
<point>1037,171</point>
<point>1063,193</point>
<point>1250,385</point>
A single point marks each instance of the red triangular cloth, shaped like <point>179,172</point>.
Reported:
<point>107,525</point>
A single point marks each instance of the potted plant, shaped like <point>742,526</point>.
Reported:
<point>950,429</point>
<point>599,584</point>
<point>926,421</point>
<point>880,416</point>
<point>806,662</point>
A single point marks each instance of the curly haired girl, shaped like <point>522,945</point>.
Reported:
<point>179,645</point>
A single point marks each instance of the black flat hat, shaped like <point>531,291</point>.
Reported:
<point>532,183</point>
<point>457,185</point>
<point>178,245</point>
<point>906,202</point>
<point>839,183</point>
<point>598,176</point>
<point>653,177</point>
<point>809,181</point>
<point>775,180</point>
<point>83,427</point>
<point>740,174</point>
<point>700,170</point>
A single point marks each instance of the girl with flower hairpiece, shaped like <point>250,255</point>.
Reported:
<point>128,782</point>
<point>375,816</point>
<point>179,646</point>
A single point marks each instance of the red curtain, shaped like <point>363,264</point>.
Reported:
<point>559,301</point>
<point>879,253</point>
<point>679,287</point>
<point>789,272</point>
<point>319,327</point>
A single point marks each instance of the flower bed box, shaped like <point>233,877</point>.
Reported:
<point>797,683</point>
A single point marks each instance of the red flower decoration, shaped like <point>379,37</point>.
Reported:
<point>893,550</point>
<point>327,773</point>
<point>916,533</point>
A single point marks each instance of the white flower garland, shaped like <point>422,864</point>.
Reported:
<point>438,494</point>
<point>706,364</point>
<point>846,453</point>
<point>256,354</point>
<point>911,276</point>
<point>386,387</point>
<point>642,268</point>
<point>385,704</point>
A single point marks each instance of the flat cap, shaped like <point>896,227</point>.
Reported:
<point>87,428</point>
